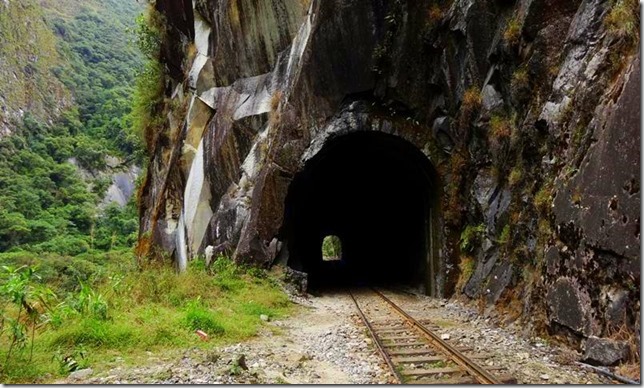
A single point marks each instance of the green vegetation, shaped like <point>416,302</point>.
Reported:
<point>502,136</point>
<point>28,52</point>
<point>622,25</point>
<point>148,99</point>
<point>437,364</point>
<point>500,128</point>
<point>101,306</point>
<point>504,237</point>
<point>543,199</point>
<point>471,236</point>
<point>331,247</point>
<point>623,20</point>
<point>516,175</point>
<point>520,78</point>
<point>45,206</point>
<point>469,107</point>
<point>71,294</point>
<point>99,69</point>
<point>82,50</point>
<point>512,32</point>
<point>466,266</point>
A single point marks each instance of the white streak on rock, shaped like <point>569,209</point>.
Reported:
<point>197,211</point>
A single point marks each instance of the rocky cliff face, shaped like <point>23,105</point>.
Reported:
<point>527,110</point>
<point>27,55</point>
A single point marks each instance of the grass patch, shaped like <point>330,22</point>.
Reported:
<point>124,312</point>
<point>516,175</point>
<point>437,364</point>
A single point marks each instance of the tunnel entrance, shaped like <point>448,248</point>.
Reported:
<point>375,192</point>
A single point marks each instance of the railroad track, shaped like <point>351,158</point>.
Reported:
<point>414,353</point>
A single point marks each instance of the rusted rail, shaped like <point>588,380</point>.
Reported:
<point>376,341</point>
<point>405,341</point>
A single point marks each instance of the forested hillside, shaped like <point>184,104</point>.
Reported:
<point>67,84</point>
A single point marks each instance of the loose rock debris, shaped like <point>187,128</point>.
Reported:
<point>325,343</point>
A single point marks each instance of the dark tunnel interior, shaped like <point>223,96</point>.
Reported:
<point>374,191</point>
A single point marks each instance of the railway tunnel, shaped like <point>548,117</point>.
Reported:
<point>377,193</point>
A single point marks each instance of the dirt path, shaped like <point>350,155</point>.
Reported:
<point>324,343</point>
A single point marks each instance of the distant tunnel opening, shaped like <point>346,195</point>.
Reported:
<point>375,193</point>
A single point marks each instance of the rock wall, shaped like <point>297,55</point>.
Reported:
<point>528,110</point>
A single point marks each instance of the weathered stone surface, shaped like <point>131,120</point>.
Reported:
<point>477,282</point>
<point>607,185</point>
<point>603,351</point>
<point>492,198</point>
<point>499,279</point>
<point>275,81</point>
<point>249,35</point>
<point>569,306</point>
<point>80,374</point>
<point>491,99</point>
<point>196,207</point>
<point>297,279</point>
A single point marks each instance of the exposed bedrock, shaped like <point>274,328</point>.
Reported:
<point>483,148</point>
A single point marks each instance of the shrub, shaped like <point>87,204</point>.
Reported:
<point>90,154</point>
<point>512,32</point>
<point>65,245</point>
<point>623,20</point>
<point>520,78</point>
<point>500,128</point>
<point>543,199</point>
<point>469,107</point>
<point>146,117</point>
<point>471,99</point>
<point>515,175</point>
<point>146,103</point>
<point>434,15</point>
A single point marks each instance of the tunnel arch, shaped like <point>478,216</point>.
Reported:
<point>379,194</point>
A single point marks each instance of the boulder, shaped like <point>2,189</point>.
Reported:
<point>80,374</point>
<point>604,351</point>
<point>569,305</point>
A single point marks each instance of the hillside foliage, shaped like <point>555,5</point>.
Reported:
<point>85,51</point>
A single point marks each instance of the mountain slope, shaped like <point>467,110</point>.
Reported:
<point>66,84</point>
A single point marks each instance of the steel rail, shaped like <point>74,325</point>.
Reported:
<point>480,374</point>
<point>376,341</point>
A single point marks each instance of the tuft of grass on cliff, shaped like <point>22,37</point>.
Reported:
<point>103,311</point>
